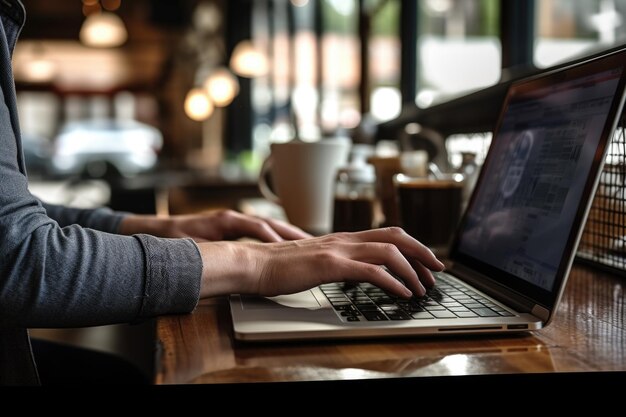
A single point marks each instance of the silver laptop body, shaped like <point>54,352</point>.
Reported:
<point>514,248</point>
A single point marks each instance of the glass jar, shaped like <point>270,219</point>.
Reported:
<point>355,198</point>
<point>470,170</point>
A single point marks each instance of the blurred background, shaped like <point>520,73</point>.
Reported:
<point>171,106</point>
<point>164,101</point>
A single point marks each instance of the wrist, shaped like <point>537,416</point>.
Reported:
<point>145,224</point>
<point>227,268</point>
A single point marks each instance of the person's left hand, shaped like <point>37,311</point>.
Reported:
<point>212,226</point>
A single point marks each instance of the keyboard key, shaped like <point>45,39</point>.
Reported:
<point>466,314</point>
<point>389,308</point>
<point>353,318</point>
<point>443,314</point>
<point>348,307</point>
<point>374,316</point>
<point>377,293</point>
<point>485,312</point>
<point>422,316</point>
<point>333,298</point>
<point>333,295</point>
<point>459,309</point>
<point>396,316</point>
<point>367,307</point>
<point>414,308</point>
<point>449,305</point>
<point>434,308</point>
<point>376,299</point>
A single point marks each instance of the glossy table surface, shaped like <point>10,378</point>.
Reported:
<point>588,334</point>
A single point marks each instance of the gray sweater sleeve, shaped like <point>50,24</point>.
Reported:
<point>102,219</point>
<point>53,276</point>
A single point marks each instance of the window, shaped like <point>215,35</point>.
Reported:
<point>384,60</point>
<point>341,65</point>
<point>459,48</point>
<point>568,28</point>
<point>313,85</point>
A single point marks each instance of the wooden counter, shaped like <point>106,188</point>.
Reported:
<point>588,334</point>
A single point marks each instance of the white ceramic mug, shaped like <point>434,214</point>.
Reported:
<point>303,175</point>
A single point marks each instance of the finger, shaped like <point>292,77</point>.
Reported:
<point>356,271</point>
<point>242,225</point>
<point>388,255</point>
<point>425,275</point>
<point>287,231</point>
<point>410,247</point>
<point>263,232</point>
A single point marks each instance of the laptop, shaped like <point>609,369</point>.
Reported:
<point>513,250</point>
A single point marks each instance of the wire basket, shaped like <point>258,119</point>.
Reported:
<point>604,238</point>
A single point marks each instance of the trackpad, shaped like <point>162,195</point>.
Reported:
<point>305,300</point>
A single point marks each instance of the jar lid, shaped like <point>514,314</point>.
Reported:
<point>364,173</point>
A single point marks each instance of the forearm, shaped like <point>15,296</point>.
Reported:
<point>152,225</point>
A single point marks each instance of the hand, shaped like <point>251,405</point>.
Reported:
<point>290,267</point>
<point>213,226</point>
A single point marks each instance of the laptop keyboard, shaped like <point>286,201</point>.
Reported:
<point>448,300</point>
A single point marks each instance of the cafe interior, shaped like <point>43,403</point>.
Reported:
<point>175,107</point>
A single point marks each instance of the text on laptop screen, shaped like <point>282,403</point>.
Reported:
<point>523,209</point>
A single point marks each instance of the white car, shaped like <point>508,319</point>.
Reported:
<point>99,148</point>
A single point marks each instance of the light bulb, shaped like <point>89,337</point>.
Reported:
<point>248,61</point>
<point>198,106</point>
<point>39,70</point>
<point>103,30</point>
<point>222,87</point>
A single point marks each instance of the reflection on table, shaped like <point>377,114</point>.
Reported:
<point>587,335</point>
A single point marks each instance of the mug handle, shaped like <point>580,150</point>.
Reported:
<point>265,189</point>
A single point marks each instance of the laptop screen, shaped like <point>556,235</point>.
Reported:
<point>534,187</point>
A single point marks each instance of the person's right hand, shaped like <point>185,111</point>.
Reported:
<point>270,269</point>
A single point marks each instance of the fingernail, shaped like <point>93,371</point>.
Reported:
<point>422,290</point>
<point>408,293</point>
